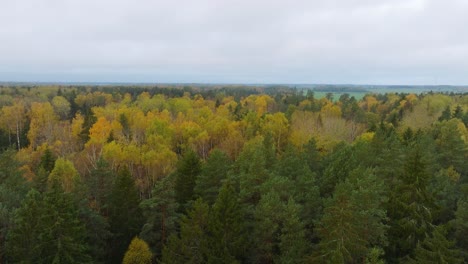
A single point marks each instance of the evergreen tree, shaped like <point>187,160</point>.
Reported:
<point>312,156</point>
<point>339,164</point>
<point>300,184</point>
<point>188,169</point>
<point>125,218</point>
<point>353,219</point>
<point>340,229</point>
<point>47,229</point>
<point>23,237</point>
<point>65,242</point>
<point>280,236</point>
<point>450,149</point>
<point>13,189</point>
<point>436,249</point>
<point>47,160</point>
<point>458,113</point>
<point>460,224</point>
<point>138,253</point>
<point>99,185</point>
<point>410,207</point>
<point>45,167</point>
<point>160,213</point>
<point>228,236</point>
<point>293,245</point>
<point>446,114</point>
<point>192,245</point>
<point>212,175</point>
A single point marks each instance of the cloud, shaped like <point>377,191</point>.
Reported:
<point>322,41</point>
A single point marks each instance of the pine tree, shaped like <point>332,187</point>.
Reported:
<point>446,114</point>
<point>340,229</point>
<point>45,167</point>
<point>138,253</point>
<point>436,249</point>
<point>312,156</point>
<point>188,169</point>
<point>228,236</point>
<point>461,227</point>
<point>304,189</point>
<point>65,242</point>
<point>458,113</point>
<point>125,217</point>
<point>99,185</point>
<point>293,245</point>
<point>160,213</point>
<point>410,207</point>
<point>212,175</point>
<point>192,245</point>
<point>339,164</point>
<point>13,190</point>
<point>47,229</point>
<point>23,237</point>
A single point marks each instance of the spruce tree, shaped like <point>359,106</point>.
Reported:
<point>410,207</point>
<point>228,236</point>
<point>212,175</point>
<point>160,213</point>
<point>192,245</point>
<point>436,249</point>
<point>188,169</point>
<point>125,217</point>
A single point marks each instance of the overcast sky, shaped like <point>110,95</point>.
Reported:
<point>267,41</point>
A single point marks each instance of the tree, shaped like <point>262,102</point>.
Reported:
<point>460,224</point>
<point>410,207</point>
<point>188,169</point>
<point>212,175</point>
<point>191,246</point>
<point>125,217</point>
<point>437,249</point>
<point>353,219</point>
<point>340,229</point>
<point>293,245</point>
<point>446,114</point>
<point>99,184</point>
<point>23,238</point>
<point>47,229</point>
<point>160,213</point>
<point>138,253</point>
<point>64,173</point>
<point>228,234</point>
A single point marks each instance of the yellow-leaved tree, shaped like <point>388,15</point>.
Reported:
<point>138,252</point>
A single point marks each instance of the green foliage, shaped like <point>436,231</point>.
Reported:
<point>339,164</point>
<point>188,169</point>
<point>227,232</point>
<point>125,217</point>
<point>47,229</point>
<point>410,207</point>
<point>353,219</point>
<point>13,189</point>
<point>437,249</point>
<point>212,175</point>
<point>192,244</point>
<point>160,213</point>
<point>280,235</point>
<point>138,253</point>
<point>461,227</point>
<point>99,185</point>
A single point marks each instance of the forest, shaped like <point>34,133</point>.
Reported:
<point>191,174</point>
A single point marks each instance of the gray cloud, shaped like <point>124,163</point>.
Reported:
<point>321,41</point>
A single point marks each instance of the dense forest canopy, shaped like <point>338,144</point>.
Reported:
<point>231,174</point>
